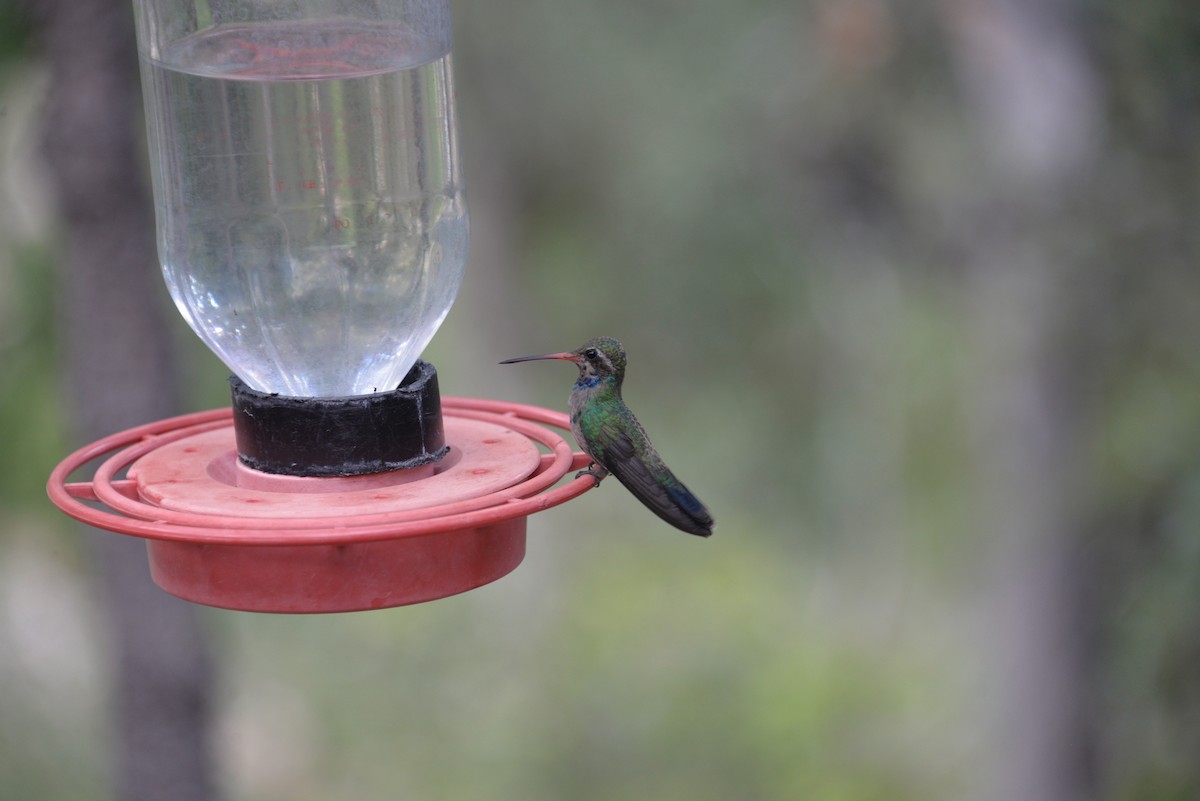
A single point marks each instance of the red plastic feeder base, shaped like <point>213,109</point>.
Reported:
<point>221,534</point>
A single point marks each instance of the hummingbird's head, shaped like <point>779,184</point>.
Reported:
<point>596,359</point>
<point>600,358</point>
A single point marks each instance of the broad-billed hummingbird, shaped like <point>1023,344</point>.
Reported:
<point>616,442</point>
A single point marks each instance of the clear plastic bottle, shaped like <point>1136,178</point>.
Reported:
<point>311,221</point>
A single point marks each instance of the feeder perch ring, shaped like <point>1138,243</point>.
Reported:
<point>220,534</point>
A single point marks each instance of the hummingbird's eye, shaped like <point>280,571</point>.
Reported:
<point>590,354</point>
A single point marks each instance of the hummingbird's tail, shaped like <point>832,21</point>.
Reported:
<point>700,521</point>
<point>668,498</point>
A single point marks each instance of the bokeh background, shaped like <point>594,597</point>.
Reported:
<point>911,297</point>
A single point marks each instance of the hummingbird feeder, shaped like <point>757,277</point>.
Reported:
<point>312,230</point>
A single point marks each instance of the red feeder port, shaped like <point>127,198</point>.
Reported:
<point>222,534</point>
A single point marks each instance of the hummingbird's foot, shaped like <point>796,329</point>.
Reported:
<point>595,471</point>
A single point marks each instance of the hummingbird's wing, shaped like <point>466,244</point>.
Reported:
<point>637,466</point>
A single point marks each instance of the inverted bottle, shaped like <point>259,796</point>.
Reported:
<point>311,221</point>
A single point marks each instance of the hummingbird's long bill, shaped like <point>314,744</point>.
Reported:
<point>566,357</point>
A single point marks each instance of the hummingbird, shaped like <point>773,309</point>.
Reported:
<point>616,442</point>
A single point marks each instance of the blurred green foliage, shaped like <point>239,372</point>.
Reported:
<point>29,382</point>
<point>772,209</point>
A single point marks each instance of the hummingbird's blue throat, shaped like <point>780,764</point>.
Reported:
<point>587,381</point>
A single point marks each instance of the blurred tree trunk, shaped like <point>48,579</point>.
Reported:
<point>120,372</point>
<point>1033,97</point>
